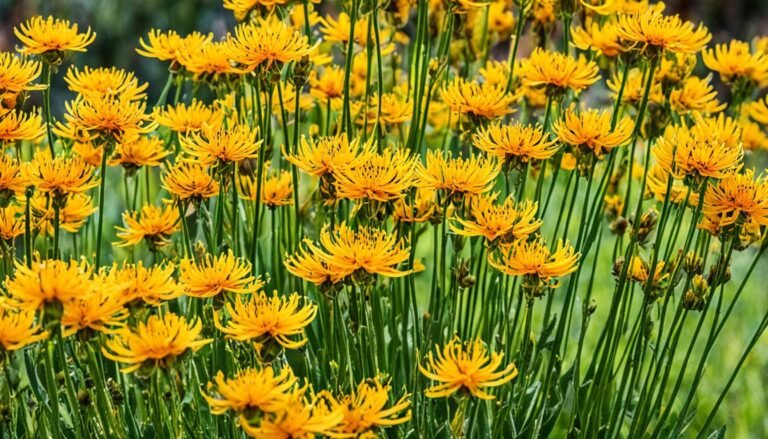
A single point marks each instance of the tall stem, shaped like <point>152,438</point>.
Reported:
<point>102,187</point>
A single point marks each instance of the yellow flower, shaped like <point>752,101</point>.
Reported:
<point>466,367</point>
<point>697,153</point>
<point>589,132</point>
<point>558,72</point>
<point>507,221</point>
<point>326,155</point>
<point>154,343</point>
<point>152,285</point>
<point>640,271</point>
<point>419,210</point>
<point>327,85</point>
<point>657,181</point>
<point>207,63</point>
<point>276,190</point>
<point>73,213</point>
<point>758,110</point>
<point>11,222</point>
<point>241,8</point>
<point>309,266</point>
<point>17,125</point>
<point>515,143</point>
<point>41,36</point>
<point>87,151</point>
<point>263,319</point>
<point>152,224</point>
<point>696,94</point>
<point>183,118</point>
<point>190,181</point>
<point>634,88</point>
<point>59,176</point>
<point>457,176</point>
<point>260,390</point>
<point>486,101</point>
<point>734,61</point>
<point>752,136</point>
<point>18,329</point>
<point>105,82</point>
<point>380,177</point>
<point>535,261</point>
<point>170,46</point>
<point>602,39</point>
<point>737,199</point>
<point>338,30</point>
<point>264,43</point>
<point>142,151</point>
<point>221,144</point>
<point>98,309</point>
<point>652,31</point>
<point>365,409</point>
<point>213,275</point>
<point>495,73</point>
<point>301,417</point>
<point>108,118</point>
<point>394,110</point>
<point>44,282</point>
<point>16,76</point>
<point>12,180</point>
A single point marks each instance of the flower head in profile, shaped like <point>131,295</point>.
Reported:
<point>481,101</point>
<point>18,329</point>
<point>142,151</point>
<point>265,43</point>
<point>41,36</point>
<point>657,182</point>
<point>634,88</point>
<point>17,125</point>
<point>105,81</point>
<point>12,222</point>
<point>46,282</point>
<point>266,320</point>
<point>466,367</point>
<point>106,118</point>
<point>379,177</point>
<point>507,221</point>
<point>558,72</point>
<point>536,262</point>
<point>457,176</point>
<point>515,144</point>
<point>153,225</point>
<point>418,210</point>
<point>367,408</point>
<point>16,77</point>
<point>736,200</point>
<point>328,84</point>
<point>152,285</point>
<point>589,132</point>
<point>190,182</point>
<point>325,155</point>
<point>651,32</point>
<point>213,275</point>
<point>639,270</point>
<point>12,179</point>
<point>695,95</point>
<point>221,144</point>
<point>251,391</point>
<point>60,176</point>
<point>170,46</point>
<point>158,342</point>
<point>74,210</point>
<point>735,61</point>
<point>185,118</point>
<point>603,39</point>
<point>758,110</point>
<point>305,414</point>
<point>98,309</point>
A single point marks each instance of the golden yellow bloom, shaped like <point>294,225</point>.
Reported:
<point>41,36</point>
<point>152,224</point>
<point>735,61</point>
<point>465,367</point>
<point>589,132</point>
<point>419,210</point>
<point>640,271</point>
<point>241,8</point>
<point>262,319</point>
<point>697,153</point>
<point>543,11</point>
<point>11,222</point>
<point>170,46</point>
<point>365,409</point>
<point>326,155</point>
<point>656,186</point>
<point>752,136</point>
<point>12,180</point>
<point>276,189</point>
<point>327,85</point>
<point>486,100</point>
<point>737,199</point>
<point>16,76</point>
<point>221,144</point>
<point>142,151</point>
<point>515,143</point>
<point>187,181</point>
<point>696,94</point>
<point>154,343</point>
<point>535,261</point>
<point>99,309</point>
<point>107,118</point>
<point>758,110</point>
<point>652,31</point>
<point>495,72</point>
<point>213,275</point>
<point>309,266</point>
<point>507,221</point>
<point>558,72</point>
<point>338,30</point>
<point>262,390</point>
<point>59,176</point>
<point>301,417</point>
<point>152,285</point>
<point>183,118</point>
<point>105,82</point>
<point>266,42</point>
<point>46,281</point>
<point>457,176</point>
<point>602,39</point>
<point>380,177</point>
<point>18,329</point>
<point>207,63</point>
<point>87,151</point>
<point>634,88</point>
<point>17,125</point>
<point>73,213</point>
<point>394,110</point>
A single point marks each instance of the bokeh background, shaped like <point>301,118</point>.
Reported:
<point>120,23</point>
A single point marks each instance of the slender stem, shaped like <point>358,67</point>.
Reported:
<point>102,202</point>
